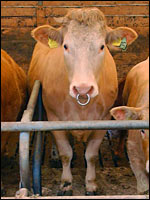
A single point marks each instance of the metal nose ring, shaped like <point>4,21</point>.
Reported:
<point>83,104</point>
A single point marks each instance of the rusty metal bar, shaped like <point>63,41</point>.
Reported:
<point>87,197</point>
<point>74,125</point>
<point>24,139</point>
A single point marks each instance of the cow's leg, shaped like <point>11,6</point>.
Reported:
<point>137,162</point>
<point>65,153</point>
<point>55,161</point>
<point>4,139</point>
<point>2,189</point>
<point>121,143</point>
<point>91,156</point>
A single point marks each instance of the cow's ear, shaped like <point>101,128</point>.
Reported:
<point>120,38</point>
<point>125,113</point>
<point>48,35</point>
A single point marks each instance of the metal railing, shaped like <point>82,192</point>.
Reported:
<point>26,125</point>
<point>74,125</point>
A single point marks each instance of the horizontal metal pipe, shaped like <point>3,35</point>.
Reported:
<point>87,197</point>
<point>74,125</point>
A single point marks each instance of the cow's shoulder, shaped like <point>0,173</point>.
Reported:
<point>139,70</point>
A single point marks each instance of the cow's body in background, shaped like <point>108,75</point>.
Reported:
<point>120,134</point>
<point>13,91</point>
<point>136,101</point>
<point>13,94</point>
<point>81,64</point>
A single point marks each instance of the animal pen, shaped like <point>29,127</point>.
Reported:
<point>23,16</point>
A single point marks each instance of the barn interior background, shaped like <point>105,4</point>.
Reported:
<point>18,18</point>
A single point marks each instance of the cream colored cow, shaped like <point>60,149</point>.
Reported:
<point>74,65</point>
<point>136,101</point>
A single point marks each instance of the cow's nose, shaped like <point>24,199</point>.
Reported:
<point>83,90</point>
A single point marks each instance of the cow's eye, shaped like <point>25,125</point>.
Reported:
<point>65,47</point>
<point>102,47</point>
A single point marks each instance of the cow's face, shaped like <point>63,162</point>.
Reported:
<point>132,113</point>
<point>83,37</point>
<point>84,50</point>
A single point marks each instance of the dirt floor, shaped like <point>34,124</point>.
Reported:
<point>111,180</point>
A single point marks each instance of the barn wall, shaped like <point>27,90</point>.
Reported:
<point>18,18</point>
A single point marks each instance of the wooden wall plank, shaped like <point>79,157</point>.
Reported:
<point>127,21</point>
<point>19,3</point>
<point>125,10</point>
<point>21,33</point>
<point>10,11</point>
<point>107,10</point>
<point>113,21</point>
<point>85,3</point>
<point>137,23</point>
<point>18,22</point>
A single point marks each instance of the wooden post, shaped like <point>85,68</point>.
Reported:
<point>40,14</point>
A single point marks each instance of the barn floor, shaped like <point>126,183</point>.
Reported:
<point>111,180</point>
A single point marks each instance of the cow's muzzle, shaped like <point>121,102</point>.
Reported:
<point>82,90</point>
<point>79,100</point>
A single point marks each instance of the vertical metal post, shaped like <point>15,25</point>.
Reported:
<point>24,139</point>
<point>24,160</point>
<point>37,188</point>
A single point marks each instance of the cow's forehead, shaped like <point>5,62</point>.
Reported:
<point>85,21</point>
<point>86,16</point>
<point>79,31</point>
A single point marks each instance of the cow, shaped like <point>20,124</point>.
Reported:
<point>136,107</point>
<point>79,81</point>
<point>13,93</point>
<point>120,134</point>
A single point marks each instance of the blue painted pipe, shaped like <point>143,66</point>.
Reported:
<point>37,165</point>
<point>37,188</point>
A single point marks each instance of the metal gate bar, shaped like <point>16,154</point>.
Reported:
<point>25,126</point>
<point>88,197</point>
<point>24,139</point>
<point>74,125</point>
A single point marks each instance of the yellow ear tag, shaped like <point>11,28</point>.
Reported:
<point>52,43</point>
<point>120,43</point>
<point>117,42</point>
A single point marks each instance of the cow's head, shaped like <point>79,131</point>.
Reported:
<point>84,36</point>
<point>132,113</point>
